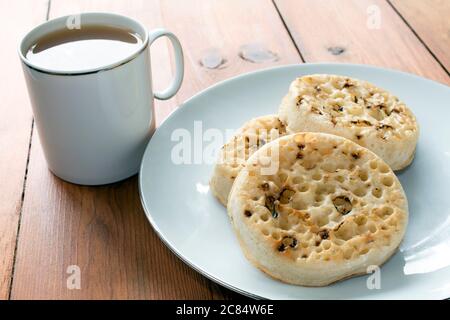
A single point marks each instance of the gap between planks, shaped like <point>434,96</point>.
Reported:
<point>24,185</point>
<point>22,198</point>
<point>288,31</point>
<point>393,8</point>
<point>417,36</point>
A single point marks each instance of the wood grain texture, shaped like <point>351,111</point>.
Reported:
<point>350,31</point>
<point>16,17</point>
<point>431,21</point>
<point>103,230</point>
<point>222,28</point>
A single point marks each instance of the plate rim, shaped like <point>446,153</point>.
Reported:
<point>182,105</point>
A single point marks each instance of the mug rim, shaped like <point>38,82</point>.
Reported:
<point>106,67</point>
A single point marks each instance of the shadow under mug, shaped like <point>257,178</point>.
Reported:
<point>94,124</point>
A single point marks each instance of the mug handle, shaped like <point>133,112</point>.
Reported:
<point>179,62</point>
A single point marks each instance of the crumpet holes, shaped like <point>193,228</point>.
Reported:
<point>329,167</point>
<point>383,168</point>
<point>287,242</point>
<point>330,188</point>
<point>361,220</point>
<point>377,192</point>
<point>322,221</point>
<point>319,198</point>
<point>276,235</point>
<point>348,253</point>
<point>283,177</point>
<point>387,181</point>
<point>364,251</point>
<point>299,205</point>
<point>326,244</point>
<point>286,196</point>
<point>360,192</point>
<point>392,222</point>
<point>386,211</point>
<point>303,188</point>
<point>342,204</point>
<point>363,175</point>
<point>338,242</point>
<point>297,180</point>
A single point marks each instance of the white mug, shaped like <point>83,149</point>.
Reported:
<point>94,124</point>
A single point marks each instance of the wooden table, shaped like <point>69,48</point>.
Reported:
<point>47,225</point>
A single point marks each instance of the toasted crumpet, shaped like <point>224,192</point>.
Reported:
<point>356,110</point>
<point>331,209</point>
<point>233,155</point>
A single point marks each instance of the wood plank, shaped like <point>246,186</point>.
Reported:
<point>431,21</point>
<point>15,126</point>
<point>222,28</point>
<point>347,31</point>
<point>103,230</point>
